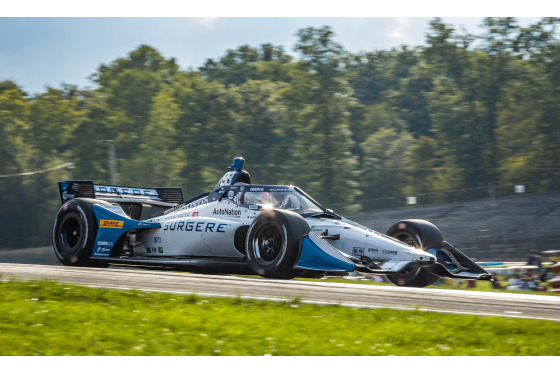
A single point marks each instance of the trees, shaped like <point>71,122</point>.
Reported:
<point>261,131</point>
<point>327,133</point>
<point>246,63</point>
<point>120,110</point>
<point>464,111</point>
<point>14,157</point>
<point>54,116</point>
<point>368,75</point>
<point>383,167</point>
<point>36,134</point>
<point>528,120</point>
<point>159,160</point>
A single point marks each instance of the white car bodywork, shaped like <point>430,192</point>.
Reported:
<point>207,228</point>
<point>218,226</point>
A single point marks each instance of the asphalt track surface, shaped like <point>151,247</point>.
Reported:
<point>354,295</point>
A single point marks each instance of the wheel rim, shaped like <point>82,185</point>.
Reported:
<point>406,238</point>
<point>268,244</point>
<point>71,233</point>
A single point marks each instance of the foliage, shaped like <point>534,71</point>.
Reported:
<point>462,112</point>
<point>49,319</point>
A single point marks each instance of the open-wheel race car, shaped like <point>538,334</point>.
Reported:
<point>278,231</point>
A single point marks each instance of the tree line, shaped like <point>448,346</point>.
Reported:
<point>461,112</point>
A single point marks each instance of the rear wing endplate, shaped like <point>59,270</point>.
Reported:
<point>161,196</point>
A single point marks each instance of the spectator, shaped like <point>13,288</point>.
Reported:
<point>496,284</point>
<point>534,259</point>
<point>527,282</point>
<point>515,283</point>
<point>543,274</point>
<point>536,279</point>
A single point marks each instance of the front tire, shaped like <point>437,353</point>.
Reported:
<point>74,232</point>
<point>273,243</point>
<point>419,234</point>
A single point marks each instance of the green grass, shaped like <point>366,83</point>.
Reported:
<point>47,318</point>
<point>445,283</point>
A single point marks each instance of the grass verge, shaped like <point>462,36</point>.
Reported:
<point>444,283</point>
<point>48,318</point>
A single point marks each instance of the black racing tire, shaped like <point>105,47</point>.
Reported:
<point>273,243</point>
<point>74,232</point>
<point>422,235</point>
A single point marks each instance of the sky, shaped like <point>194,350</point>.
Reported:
<point>44,46</point>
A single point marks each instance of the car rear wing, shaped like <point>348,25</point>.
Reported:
<point>160,196</point>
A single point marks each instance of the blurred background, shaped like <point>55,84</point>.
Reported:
<point>462,130</point>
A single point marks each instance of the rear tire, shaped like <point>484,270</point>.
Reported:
<point>422,235</point>
<point>273,243</point>
<point>74,232</point>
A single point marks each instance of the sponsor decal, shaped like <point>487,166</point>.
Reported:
<point>227,212</point>
<point>68,196</point>
<point>176,207</point>
<point>389,252</point>
<point>112,224</point>
<point>284,189</point>
<point>195,226</point>
<point>254,207</point>
<point>187,206</point>
<point>148,249</point>
<point>358,251</point>
<point>103,250</point>
<point>197,203</point>
<point>226,180</point>
<point>105,243</point>
<point>195,214</point>
<point>157,239</point>
<point>230,194</point>
<point>160,219</point>
<point>316,229</point>
<point>255,189</point>
<point>402,226</point>
<point>114,208</point>
<point>160,250</point>
<point>237,199</point>
<point>373,250</point>
<point>125,190</point>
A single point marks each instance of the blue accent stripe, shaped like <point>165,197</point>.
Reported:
<point>315,258</point>
<point>108,236</point>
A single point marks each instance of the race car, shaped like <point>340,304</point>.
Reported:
<point>277,231</point>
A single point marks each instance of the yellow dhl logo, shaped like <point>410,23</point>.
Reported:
<point>107,223</point>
